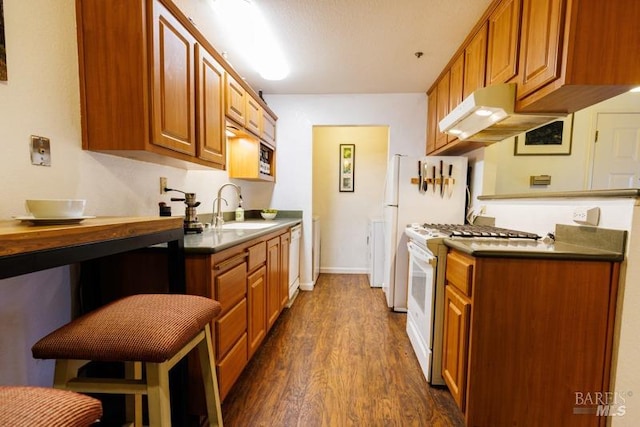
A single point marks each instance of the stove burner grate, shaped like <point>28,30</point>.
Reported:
<point>484,231</point>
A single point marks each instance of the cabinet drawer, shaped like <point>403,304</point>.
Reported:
<point>231,366</point>
<point>459,272</point>
<point>231,286</point>
<point>257,255</point>
<point>230,327</point>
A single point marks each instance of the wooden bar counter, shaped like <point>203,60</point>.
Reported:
<point>27,247</point>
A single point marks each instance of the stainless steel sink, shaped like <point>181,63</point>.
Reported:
<point>247,225</point>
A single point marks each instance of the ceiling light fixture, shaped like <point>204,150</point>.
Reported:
<point>246,26</point>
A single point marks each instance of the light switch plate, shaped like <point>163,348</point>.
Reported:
<point>40,151</point>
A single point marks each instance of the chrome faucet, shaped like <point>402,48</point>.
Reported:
<point>217,218</point>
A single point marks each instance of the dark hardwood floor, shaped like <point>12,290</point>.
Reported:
<point>338,357</point>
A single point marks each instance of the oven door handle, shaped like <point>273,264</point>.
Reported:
<point>421,254</point>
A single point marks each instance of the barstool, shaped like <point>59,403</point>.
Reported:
<point>155,329</point>
<point>24,406</point>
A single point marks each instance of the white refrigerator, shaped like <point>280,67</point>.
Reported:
<point>406,202</point>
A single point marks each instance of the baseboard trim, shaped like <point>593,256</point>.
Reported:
<point>342,270</point>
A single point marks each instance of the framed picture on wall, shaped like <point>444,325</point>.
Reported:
<point>551,139</point>
<point>347,167</point>
<point>3,49</point>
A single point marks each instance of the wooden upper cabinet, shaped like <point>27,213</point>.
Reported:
<point>268,133</point>
<point>432,120</point>
<point>173,83</point>
<point>211,123</point>
<point>456,82</point>
<point>475,57</point>
<point>148,90</point>
<point>502,48</point>
<point>574,54</point>
<point>442,108</point>
<point>235,100</point>
<point>253,115</point>
<point>540,44</point>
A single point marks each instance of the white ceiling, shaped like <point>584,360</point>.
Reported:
<point>360,46</point>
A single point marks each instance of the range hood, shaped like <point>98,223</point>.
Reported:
<point>487,115</point>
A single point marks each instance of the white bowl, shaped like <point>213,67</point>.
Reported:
<point>56,208</point>
<point>266,215</point>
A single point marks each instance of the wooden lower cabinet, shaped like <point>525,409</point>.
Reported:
<point>230,368</point>
<point>273,281</point>
<point>285,243</point>
<point>539,330</point>
<point>247,281</point>
<point>456,339</point>
<point>230,327</point>
<point>257,286</point>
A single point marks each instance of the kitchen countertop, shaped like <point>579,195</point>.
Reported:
<point>572,243</point>
<point>514,248</point>
<point>212,241</point>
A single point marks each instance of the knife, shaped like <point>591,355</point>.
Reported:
<point>419,176</point>
<point>433,179</point>
<point>450,181</point>
<point>425,184</point>
<point>441,179</point>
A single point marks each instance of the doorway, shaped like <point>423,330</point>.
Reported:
<point>344,212</point>
<point>616,158</point>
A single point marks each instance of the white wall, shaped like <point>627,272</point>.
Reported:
<point>404,114</point>
<point>346,214</point>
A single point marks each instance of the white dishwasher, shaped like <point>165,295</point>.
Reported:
<point>294,262</point>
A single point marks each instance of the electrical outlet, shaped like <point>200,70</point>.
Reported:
<point>586,215</point>
<point>163,184</point>
<point>40,151</point>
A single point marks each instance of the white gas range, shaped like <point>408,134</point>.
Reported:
<point>425,301</point>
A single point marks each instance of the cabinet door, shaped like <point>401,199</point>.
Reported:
<point>273,281</point>
<point>234,100</point>
<point>211,124</point>
<point>285,243</point>
<point>455,345</point>
<point>475,57</point>
<point>442,108</point>
<point>256,284</point>
<point>502,49</point>
<point>456,82</point>
<point>432,120</point>
<point>253,115</point>
<point>540,44</point>
<point>268,133</point>
<point>173,76</point>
